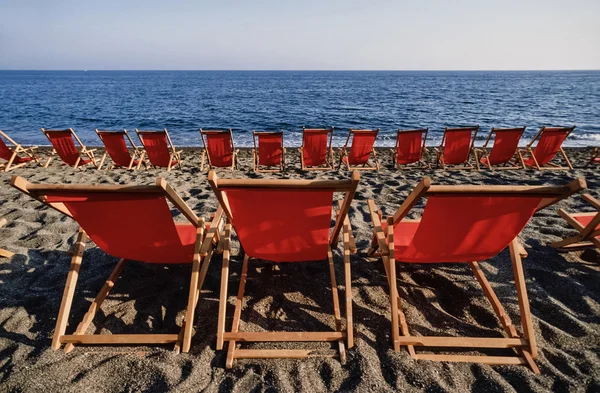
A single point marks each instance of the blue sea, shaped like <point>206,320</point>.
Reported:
<point>184,101</point>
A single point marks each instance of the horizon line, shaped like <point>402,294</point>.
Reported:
<point>306,70</point>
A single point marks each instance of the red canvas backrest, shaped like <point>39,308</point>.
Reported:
<point>550,142</point>
<point>314,147</point>
<point>505,145</point>
<point>270,148</point>
<point>362,145</point>
<point>116,147</point>
<point>63,143</point>
<point>457,146</point>
<point>155,144</point>
<point>468,227</point>
<point>409,145</point>
<point>5,151</point>
<point>282,225</point>
<point>126,225</point>
<point>218,146</point>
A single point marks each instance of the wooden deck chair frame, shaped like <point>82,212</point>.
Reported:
<point>421,164</point>
<point>529,150</point>
<point>483,153</point>
<point>344,153</point>
<point>595,154</point>
<point>83,149</point>
<point>587,234</point>
<point>257,168</point>
<point>524,346</point>
<point>440,150</point>
<point>5,253</point>
<point>203,250</point>
<point>342,226</point>
<point>329,163</point>
<point>206,156</point>
<point>136,151</point>
<point>175,154</point>
<point>16,149</point>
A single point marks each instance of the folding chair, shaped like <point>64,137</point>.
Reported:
<point>506,146</point>
<point>268,152</point>
<point>116,148</point>
<point>130,223</point>
<point>549,143</point>
<point>284,221</point>
<point>363,142</point>
<point>456,147</point>
<point>464,224</point>
<point>316,153</point>
<point>5,253</point>
<point>595,157</point>
<point>587,225</point>
<point>12,155</point>
<point>64,146</point>
<point>160,149</point>
<point>410,149</point>
<point>219,149</point>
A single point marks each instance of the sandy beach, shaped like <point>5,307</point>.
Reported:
<point>564,293</point>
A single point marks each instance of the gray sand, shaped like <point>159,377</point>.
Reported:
<point>564,291</point>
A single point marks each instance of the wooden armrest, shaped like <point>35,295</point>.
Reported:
<point>353,248</point>
<point>377,229</point>
<point>591,200</point>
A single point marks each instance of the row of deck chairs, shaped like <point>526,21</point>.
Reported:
<point>291,221</point>
<point>316,152</point>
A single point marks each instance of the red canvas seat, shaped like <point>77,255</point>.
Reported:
<point>284,221</point>
<point>159,148</point>
<point>549,143</point>
<point>218,149</point>
<point>587,225</point>
<point>268,153</point>
<point>464,224</point>
<point>506,146</point>
<point>316,152</point>
<point>456,147</point>
<point>63,142</point>
<point>410,148</point>
<point>116,147</point>
<point>11,155</point>
<point>130,223</point>
<point>363,142</point>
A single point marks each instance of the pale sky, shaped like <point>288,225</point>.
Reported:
<point>300,35</point>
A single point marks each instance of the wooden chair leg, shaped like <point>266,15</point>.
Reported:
<point>238,312</point>
<point>336,305</point>
<point>192,296</point>
<point>5,253</point>
<point>95,306</point>
<point>67,299</point>
<point>348,286</point>
<point>223,294</point>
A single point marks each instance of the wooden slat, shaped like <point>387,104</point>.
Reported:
<point>463,342</point>
<point>281,354</point>
<point>337,185</point>
<point>120,339</point>
<point>472,359</point>
<point>284,336</point>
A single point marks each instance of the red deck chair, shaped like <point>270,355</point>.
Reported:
<point>12,155</point>
<point>284,221</point>
<point>549,143</point>
<point>595,157</point>
<point>587,225</point>
<point>160,149</point>
<point>130,223</point>
<point>316,152</point>
<point>5,253</point>
<point>456,147</point>
<point>116,148</point>
<point>219,149</point>
<point>63,142</point>
<point>363,145</point>
<point>268,151</point>
<point>506,146</point>
<point>464,224</point>
<point>410,149</point>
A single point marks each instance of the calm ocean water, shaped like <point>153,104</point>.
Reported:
<point>184,101</point>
